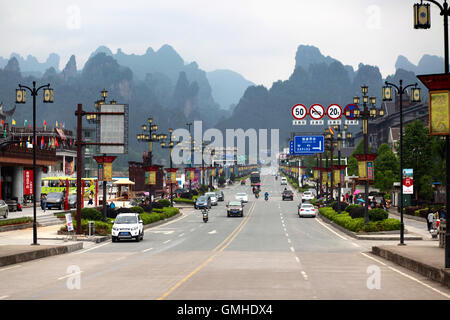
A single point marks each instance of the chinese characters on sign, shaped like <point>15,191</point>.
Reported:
<point>408,185</point>
<point>27,182</point>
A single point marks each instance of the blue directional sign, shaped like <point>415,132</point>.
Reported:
<point>306,145</point>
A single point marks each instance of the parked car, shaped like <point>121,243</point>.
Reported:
<point>12,205</point>
<point>202,202</point>
<point>235,208</point>
<point>72,200</point>
<point>287,194</point>
<point>283,181</point>
<point>128,226</point>
<point>306,210</point>
<point>307,196</point>
<point>213,197</point>
<point>243,197</point>
<point>220,196</point>
<point>55,200</point>
<point>4,209</point>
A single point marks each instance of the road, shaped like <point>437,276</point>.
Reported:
<point>270,253</point>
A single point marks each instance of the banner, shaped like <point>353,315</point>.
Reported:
<point>27,182</point>
<point>370,170</point>
<point>362,169</point>
<point>150,177</point>
<point>408,185</point>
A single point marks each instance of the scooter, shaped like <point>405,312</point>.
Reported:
<point>266,197</point>
<point>256,195</point>
<point>205,215</point>
<point>434,228</point>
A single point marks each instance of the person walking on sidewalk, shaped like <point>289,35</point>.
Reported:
<point>43,201</point>
<point>90,198</point>
<point>430,220</point>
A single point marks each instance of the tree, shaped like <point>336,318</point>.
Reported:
<point>386,168</point>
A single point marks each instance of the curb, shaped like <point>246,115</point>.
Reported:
<point>39,253</point>
<point>14,227</point>
<point>366,236</point>
<point>433,273</point>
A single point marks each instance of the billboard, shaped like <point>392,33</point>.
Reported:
<point>113,129</point>
<point>408,183</point>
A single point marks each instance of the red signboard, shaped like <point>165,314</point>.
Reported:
<point>27,182</point>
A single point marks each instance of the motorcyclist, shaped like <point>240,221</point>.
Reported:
<point>266,195</point>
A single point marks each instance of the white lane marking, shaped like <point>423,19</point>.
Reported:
<point>70,275</point>
<point>212,232</point>
<point>192,229</point>
<point>3,297</point>
<point>297,259</point>
<point>331,229</point>
<point>356,245</point>
<point>167,241</point>
<point>292,249</point>
<point>93,248</point>
<point>146,250</point>
<point>287,235</point>
<point>408,276</point>
<point>305,276</point>
<point>289,240</point>
<point>14,267</point>
<point>163,232</point>
<point>181,235</point>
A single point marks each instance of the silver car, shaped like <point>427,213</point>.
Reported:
<point>213,197</point>
<point>4,209</point>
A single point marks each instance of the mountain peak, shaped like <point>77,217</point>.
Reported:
<point>307,55</point>
<point>12,65</point>
<point>70,70</point>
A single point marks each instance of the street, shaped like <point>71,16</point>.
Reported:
<point>270,253</point>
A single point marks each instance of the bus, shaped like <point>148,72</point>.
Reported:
<point>58,184</point>
<point>255,179</point>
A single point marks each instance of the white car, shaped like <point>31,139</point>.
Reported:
<point>283,181</point>
<point>306,210</point>
<point>128,226</point>
<point>213,197</point>
<point>307,196</point>
<point>243,197</point>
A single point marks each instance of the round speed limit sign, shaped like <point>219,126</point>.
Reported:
<point>334,111</point>
<point>299,112</point>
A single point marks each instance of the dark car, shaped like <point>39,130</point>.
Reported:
<point>220,196</point>
<point>55,200</point>
<point>235,208</point>
<point>202,202</point>
<point>287,194</point>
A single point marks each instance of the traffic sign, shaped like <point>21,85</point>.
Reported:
<point>299,111</point>
<point>293,153</point>
<point>352,108</point>
<point>308,144</point>
<point>334,111</point>
<point>316,111</point>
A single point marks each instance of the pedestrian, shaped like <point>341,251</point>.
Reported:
<point>43,201</point>
<point>350,198</point>
<point>112,206</point>
<point>90,198</point>
<point>441,214</point>
<point>430,220</point>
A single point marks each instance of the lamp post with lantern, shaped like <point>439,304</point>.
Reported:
<point>21,99</point>
<point>149,138</point>
<point>169,145</point>
<point>365,114</point>
<point>415,97</point>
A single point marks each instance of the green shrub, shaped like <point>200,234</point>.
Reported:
<point>137,209</point>
<point>350,207</point>
<point>184,200</point>
<point>91,214</point>
<point>101,228</point>
<point>378,214</point>
<point>390,224</point>
<point>358,212</point>
<point>164,202</point>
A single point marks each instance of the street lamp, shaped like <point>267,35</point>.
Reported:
<point>342,135</point>
<point>150,138</point>
<point>422,21</point>
<point>21,99</point>
<point>415,97</point>
<point>170,146</point>
<point>365,115</point>
<point>191,163</point>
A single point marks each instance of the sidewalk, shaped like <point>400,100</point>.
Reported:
<point>416,225</point>
<point>15,246</point>
<point>426,259</point>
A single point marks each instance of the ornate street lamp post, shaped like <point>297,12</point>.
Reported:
<point>415,97</point>
<point>21,98</point>
<point>150,138</point>
<point>365,115</point>
<point>169,146</point>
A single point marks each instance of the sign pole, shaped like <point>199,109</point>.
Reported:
<point>79,143</point>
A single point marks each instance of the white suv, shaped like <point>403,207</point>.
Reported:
<point>307,196</point>
<point>128,226</point>
<point>213,197</point>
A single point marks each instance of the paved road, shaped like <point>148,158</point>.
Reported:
<point>268,254</point>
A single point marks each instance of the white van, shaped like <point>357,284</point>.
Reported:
<point>283,181</point>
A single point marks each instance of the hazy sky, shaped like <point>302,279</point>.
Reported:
<point>256,38</point>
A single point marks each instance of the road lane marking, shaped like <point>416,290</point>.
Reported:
<point>287,235</point>
<point>3,297</point>
<point>14,267</point>
<point>297,259</point>
<point>305,276</point>
<point>71,275</point>
<point>181,235</point>
<point>331,229</point>
<point>407,276</point>
<point>355,244</point>
<point>93,248</point>
<point>292,249</point>
<point>192,230</point>
<point>146,250</point>
<point>220,248</point>
<point>212,232</point>
<point>167,241</point>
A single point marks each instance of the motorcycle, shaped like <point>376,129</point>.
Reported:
<point>256,195</point>
<point>266,197</point>
<point>205,215</point>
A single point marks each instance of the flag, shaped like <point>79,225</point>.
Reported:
<point>29,125</point>
<point>25,123</point>
<point>57,124</point>
<point>4,134</point>
<point>13,122</point>
<point>56,142</point>
<point>42,143</point>
<point>45,123</point>
<point>3,122</point>
<point>331,130</point>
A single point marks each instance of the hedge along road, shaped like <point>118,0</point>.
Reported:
<point>268,254</point>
